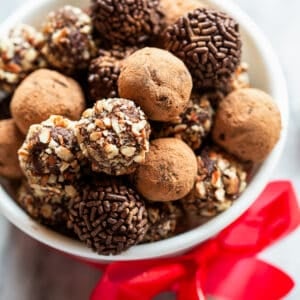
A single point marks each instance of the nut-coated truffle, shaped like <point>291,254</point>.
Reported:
<point>169,171</point>
<point>174,9</point>
<point>104,72</point>
<point>114,135</point>
<point>162,220</point>
<point>69,43</point>
<point>11,140</point>
<point>44,93</point>
<point>127,22</point>
<point>50,158</point>
<point>20,54</point>
<point>157,81</point>
<point>47,210</point>
<point>247,124</point>
<point>110,217</point>
<point>221,179</point>
<point>209,43</point>
<point>193,125</point>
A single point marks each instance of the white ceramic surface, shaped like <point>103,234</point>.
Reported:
<point>265,73</point>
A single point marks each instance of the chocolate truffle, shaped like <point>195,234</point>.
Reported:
<point>127,22</point>
<point>69,43</point>
<point>10,141</point>
<point>110,217</point>
<point>247,124</point>
<point>174,9</point>
<point>221,179</point>
<point>162,219</point>
<point>47,210</point>
<point>193,125</point>
<point>209,44</point>
<point>169,171</point>
<point>44,93</point>
<point>50,158</point>
<point>105,70</point>
<point>114,135</point>
<point>19,55</point>
<point>157,81</point>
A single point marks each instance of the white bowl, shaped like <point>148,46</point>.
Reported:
<point>265,73</point>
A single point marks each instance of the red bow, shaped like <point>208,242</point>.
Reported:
<point>225,267</point>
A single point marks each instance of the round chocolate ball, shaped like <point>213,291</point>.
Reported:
<point>193,125</point>
<point>11,140</point>
<point>174,9</point>
<point>209,43</point>
<point>20,54</point>
<point>162,220</point>
<point>44,93</point>
<point>247,124</point>
<point>50,158</point>
<point>69,43</point>
<point>169,171</point>
<point>104,72</point>
<point>110,217</point>
<point>157,81</point>
<point>127,22</point>
<point>46,210</point>
<point>114,135</point>
<point>221,179</point>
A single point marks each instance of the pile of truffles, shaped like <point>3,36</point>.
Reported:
<point>130,121</point>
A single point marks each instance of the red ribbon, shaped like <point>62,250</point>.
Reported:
<point>225,267</point>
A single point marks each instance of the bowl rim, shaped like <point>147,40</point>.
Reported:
<point>174,245</point>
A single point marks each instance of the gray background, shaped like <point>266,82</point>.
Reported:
<point>30,271</point>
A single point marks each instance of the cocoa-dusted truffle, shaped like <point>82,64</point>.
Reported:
<point>221,179</point>
<point>169,171</point>
<point>114,135</point>
<point>10,141</point>
<point>247,124</point>
<point>110,217</point>
<point>193,125</point>
<point>50,158</point>
<point>127,22</point>
<point>162,219</point>
<point>157,81</point>
<point>104,72</point>
<point>19,55</point>
<point>174,9</point>
<point>69,44</point>
<point>209,43</point>
<point>44,93</point>
<point>46,210</point>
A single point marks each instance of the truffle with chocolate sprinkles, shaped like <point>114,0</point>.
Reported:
<point>221,179</point>
<point>193,125</point>
<point>127,22</point>
<point>104,72</point>
<point>209,43</point>
<point>69,43</point>
<point>162,219</point>
<point>114,136</point>
<point>50,158</point>
<point>110,217</point>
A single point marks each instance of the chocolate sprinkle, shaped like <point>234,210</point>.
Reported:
<point>104,72</point>
<point>127,21</point>
<point>209,43</point>
<point>110,217</point>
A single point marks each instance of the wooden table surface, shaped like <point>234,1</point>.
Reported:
<point>30,271</point>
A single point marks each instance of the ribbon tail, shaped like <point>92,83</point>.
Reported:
<point>142,280</point>
<point>190,288</point>
<point>247,279</point>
